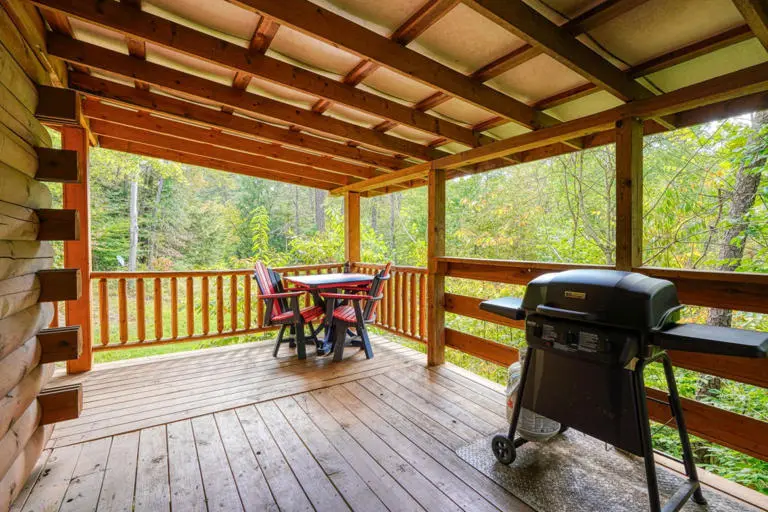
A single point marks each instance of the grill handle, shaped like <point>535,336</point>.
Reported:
<point>568,314</point>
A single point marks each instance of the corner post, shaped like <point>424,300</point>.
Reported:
<point>629,194</point>
<point>77,254</point>
<point>352,227</point>
<point>435,270</point>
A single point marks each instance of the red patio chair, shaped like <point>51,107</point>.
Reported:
<point>282,308</point>
<point>356,310</point>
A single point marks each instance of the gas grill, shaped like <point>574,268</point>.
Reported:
<point>590,335</point>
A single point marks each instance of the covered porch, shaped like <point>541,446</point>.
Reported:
<point>234,428</point>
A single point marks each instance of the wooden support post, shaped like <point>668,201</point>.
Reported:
<point>436,274</point>
<point>352,226</point>
<point>77,254</point>
<point>629,193</point>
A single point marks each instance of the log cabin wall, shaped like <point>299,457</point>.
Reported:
<point>28,283</point>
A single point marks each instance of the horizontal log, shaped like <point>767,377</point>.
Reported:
<point>13,481</point>
<point>57,105</point>
<point>741,433</point>
<point>16,401</point>
<point>60,403</point>
<point>18,364</point>
<point>22,257</point>
<point>12,444</point>
<point>19,120</point>
<point>60,284</point>
<point>16,153</point>
<point>22,51</point>
<point>17,328</point>
<point>18,293</point>
<point>57,165</point>
<point>16,80</point>
<point>23,190</point>
<point>17,222</point>
<point>59,224</point>
<point>488,350</point>
<point>470,307</point>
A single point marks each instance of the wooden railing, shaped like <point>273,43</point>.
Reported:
<point>136,309</point>
<point>403,308</point>
<point>738,291</point>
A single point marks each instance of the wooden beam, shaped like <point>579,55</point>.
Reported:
<point>421,20</point>
<point>317,22</point>
<point>755,13</point>
<point>57,165</point>
<point>190,112</point>
<point>60,284</point>
<point>138,148</point>
<point>277,167</point>
<point>96,110</point>
<point>77,254</point>
<point>57,106</point>
<point>145,26</point>
<point>58,224</point>
<point>61,403</point>
<point>60,344</point>
<point>537,30</point>
<point>629,194</point>
<point>113,62</point>
<point>727,87</point>
<point>435,272</point>
<point>266,30</point>
<point>506,62</point>
<point>352,227</point>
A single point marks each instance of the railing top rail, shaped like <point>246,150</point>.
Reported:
<point>202,273</point>
<point>395,268</point>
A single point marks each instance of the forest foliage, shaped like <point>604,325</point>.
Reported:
<point>705,207</point>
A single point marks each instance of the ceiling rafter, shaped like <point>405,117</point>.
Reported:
<point>102,59</point>
<point>278,167</point>
<point>666,61</point>
<point>755,13</point>
<point>317,22</point>
<point>136,47</point>
<point>525,22</point>
<point>265,32</point>
<point>138,148</point>
<point>189,112</point>
<point>589,20</point>
<point>144,26</point>
<point>94,109</point>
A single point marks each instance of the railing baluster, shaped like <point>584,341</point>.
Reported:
<point>205,289</point>
<point>423,307</point>
<point>122,307</point>
<point>219,303</point>
<point>412,303</point>
<point>174,308</point>
<point>391,305</point>
<point>103,312</point>
<point>158,302</point>
<point>140,303</point>
<point>233,301</point>
<point>247,302</point>
<point>190,298</point>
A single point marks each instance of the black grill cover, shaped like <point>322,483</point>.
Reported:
<point>609,297</point>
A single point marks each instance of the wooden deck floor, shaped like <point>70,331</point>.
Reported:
<point>235,429</point>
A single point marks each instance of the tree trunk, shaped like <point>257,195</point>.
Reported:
<point>320,209</point>
<point>374,214</point>
<point>134,224</point>
<point>296,211</point>
<point>155,216</point>
<point>393,206</point>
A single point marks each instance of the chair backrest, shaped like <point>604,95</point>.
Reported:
<point>269,282</point>
<point>376,289</point>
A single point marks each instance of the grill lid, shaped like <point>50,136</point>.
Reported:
<point>609,297</point>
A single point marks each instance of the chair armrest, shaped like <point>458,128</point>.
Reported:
<point>347,296</point>
<point>281,295</point>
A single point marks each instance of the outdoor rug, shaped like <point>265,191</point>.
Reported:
<point>574,472</point>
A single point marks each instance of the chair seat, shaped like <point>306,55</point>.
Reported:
<point>345,314</point>
<point>308,314</point>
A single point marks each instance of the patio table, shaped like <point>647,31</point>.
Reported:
<point>327,283</point>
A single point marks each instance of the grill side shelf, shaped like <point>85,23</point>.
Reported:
<point>709,339</point>
<point>510,307</point>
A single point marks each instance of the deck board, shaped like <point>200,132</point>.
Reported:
<point>236,429</point>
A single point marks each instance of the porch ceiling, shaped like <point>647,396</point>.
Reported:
<point>333,92</point>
